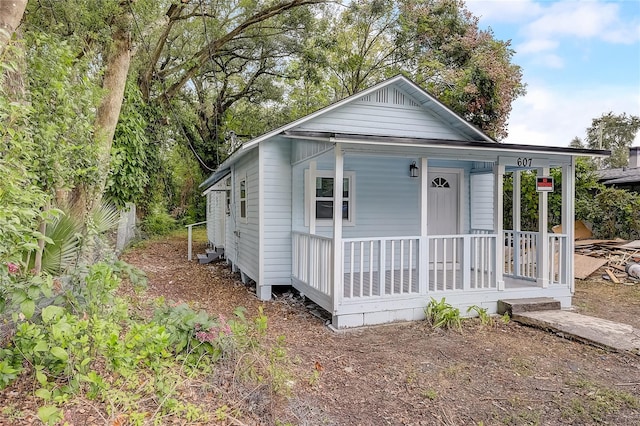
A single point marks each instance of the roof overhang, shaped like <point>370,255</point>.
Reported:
<point>216,177</point>
<point>442,143</point>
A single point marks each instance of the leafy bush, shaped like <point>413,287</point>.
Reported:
<point>79,338</point>
<point>614,213</point>
<point>158,223</point>
<point>441,314</point>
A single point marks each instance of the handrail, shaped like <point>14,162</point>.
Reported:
<point>190,233</point>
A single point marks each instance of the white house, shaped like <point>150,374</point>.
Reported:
<point>420,213</point>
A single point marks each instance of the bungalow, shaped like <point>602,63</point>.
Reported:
<point>417,211</point>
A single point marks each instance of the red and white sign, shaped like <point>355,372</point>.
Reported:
<point>544,184</point>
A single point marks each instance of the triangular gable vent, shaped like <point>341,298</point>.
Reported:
<point>390,96</point>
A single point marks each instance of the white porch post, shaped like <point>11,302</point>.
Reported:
<point>424,233</point>
<point>568,217</point>
<point>310,191</point>
<point>517,220</point>
<point>338,185</point>
<point>498,222</point>
<point>517,209</point>
<point>543,234</point>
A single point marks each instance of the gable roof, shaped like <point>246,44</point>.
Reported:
<point>412,89</point>
<point>474,137</point>
<point>418,94</point>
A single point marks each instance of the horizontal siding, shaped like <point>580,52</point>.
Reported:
<point>382,120</point>
<point>215,217</point>
<point>231,239</point>
<point>387,199</point>
<point>248,238</point>
<point>211,217</point>
<point>277,212</point>
<point>481,201</point>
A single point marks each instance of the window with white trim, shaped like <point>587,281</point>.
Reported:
<point>323,197</point>
<point>243,198</point>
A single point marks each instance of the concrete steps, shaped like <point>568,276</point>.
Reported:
<point>518,306</point>
<point>545,313</point>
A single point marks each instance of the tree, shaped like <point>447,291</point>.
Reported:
<point>466,68</point>
<point>438,44</point>
<point>10,16</point>
<point>615,133</point>
<point>363,48</point>
<point>209,56</point>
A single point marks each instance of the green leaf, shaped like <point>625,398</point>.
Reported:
<point>52,312</point>
<point>41,346</point>
<point>42,378</point>
<point>28,307</point>
<point>49,413</point>
<point>59,353</point>
<point>44,394</point>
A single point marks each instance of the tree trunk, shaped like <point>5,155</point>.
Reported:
<point>84,198</point>
<point>37,264</point>
<point>11,12</point>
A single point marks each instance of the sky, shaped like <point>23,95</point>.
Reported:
<point>580,59</point>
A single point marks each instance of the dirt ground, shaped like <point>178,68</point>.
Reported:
<point>410,374</point>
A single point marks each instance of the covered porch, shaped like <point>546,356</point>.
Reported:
<point>368,275</point>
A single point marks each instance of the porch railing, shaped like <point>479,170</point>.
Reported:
<point>380,266</point>
<point>461,262</point>
<point>521,254</point>
<point>384,267</point>
<point>558,252</point>
<point>312,260</point>
<point>190,238</point>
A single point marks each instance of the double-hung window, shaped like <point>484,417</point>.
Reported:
<point>323,196</point>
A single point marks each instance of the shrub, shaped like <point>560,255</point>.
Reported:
<point>84,340</point>
<point>158,223</point>
<point>614,213</point>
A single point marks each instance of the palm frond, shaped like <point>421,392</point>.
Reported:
<point>105,218</point>
<point>62,253</point>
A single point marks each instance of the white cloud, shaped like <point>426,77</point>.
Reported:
<point>504,10</point>
<point>538,45</point>
<point>550,116</point>
<point>572,18</point>
<point>545,25</point>
<point>551,61</point>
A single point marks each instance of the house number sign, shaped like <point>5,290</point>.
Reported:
<point>524,162</point>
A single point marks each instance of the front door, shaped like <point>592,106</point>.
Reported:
<point>443,218</point>
<point>442,201</point>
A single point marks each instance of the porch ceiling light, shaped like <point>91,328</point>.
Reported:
<point>414,171</point>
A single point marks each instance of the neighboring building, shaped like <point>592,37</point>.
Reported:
<point>419,213</point>
<point>624,177</point>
